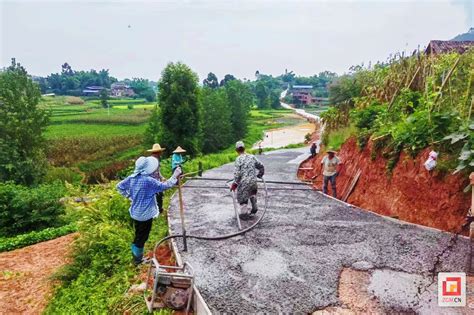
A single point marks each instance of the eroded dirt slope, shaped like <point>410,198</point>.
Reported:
<point>412,194</point>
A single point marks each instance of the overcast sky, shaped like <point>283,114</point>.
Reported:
<point>138,38</point>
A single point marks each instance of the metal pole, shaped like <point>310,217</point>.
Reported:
<point>181,213</point>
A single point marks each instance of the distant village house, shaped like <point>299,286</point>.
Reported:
<point>120,89</point>
<point>302,95</point>
<point>92,90</point>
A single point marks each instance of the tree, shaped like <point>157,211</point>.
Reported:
<point>261,92</point>
<point>152,134</point>
<point>70,82</point>
<point>149,95</point>
<point>142,87</point>
<point>211,81</point>
<point>104,97</point>
<point>227,78</point>
<point>180,111</point>
<point>274,99</point>
<point>240,100</point>
<point>343,90</point>
<point>216,127</point>
<point>22,122</point>
<point>66,69</point>
<point>288,77</point>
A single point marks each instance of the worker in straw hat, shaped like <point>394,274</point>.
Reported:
<point>156,152</point>
<point>141,188</point>
<point>247,169</point>
<point>331,165</point>
<point>177,159</point>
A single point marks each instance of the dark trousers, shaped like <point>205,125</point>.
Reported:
<point>142,231</point>
<point>159,201</point>
<point>331,179</point>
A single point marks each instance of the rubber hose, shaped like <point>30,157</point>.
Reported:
<point>221,237</point>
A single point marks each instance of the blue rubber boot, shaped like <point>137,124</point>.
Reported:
<point>137,254</point>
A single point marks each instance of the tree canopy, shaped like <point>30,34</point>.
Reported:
<point>180,111</point>
<point>22,122</point>
<point>216,116</point>
<point>211,81</point>
<point>71,82</point>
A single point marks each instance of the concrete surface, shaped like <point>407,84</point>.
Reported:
<point>291,262</point>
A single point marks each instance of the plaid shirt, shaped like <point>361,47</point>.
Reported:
<point>141,190</point>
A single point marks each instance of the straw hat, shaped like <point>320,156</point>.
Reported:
<point>179,150</point>
<point>145,165</point>
<point>156,148</point>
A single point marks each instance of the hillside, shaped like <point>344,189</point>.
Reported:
<point>468,36</point>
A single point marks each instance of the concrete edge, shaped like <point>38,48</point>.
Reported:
<point>398,221</point>
<point>199,305</point>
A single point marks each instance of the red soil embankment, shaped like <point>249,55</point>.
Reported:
<point>411,193</point>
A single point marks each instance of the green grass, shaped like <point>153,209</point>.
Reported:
<point>92,130</point>
<point>22,240</point>
<point>336,138</point>
<point>102,271</point>
<point>142,106</point>
<point>93,112</point>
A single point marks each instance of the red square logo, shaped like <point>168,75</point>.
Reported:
<point>452,286</point>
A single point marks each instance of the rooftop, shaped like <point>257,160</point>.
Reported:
<point>302,86</point>
<point>436,47</point>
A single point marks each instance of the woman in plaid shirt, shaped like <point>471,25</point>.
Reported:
<point>140,188</point>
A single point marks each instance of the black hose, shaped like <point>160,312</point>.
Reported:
<point>268,182</point>
<point>220,237</point>
<point>269,188</point>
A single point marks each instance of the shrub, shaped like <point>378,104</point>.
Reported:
<point>420,129</point>
<point>365,118</point>
<point>74,100</point>
<point>19,241</point>
<point>101,270</point>
<point>62,174</point>
<point>25,209</point>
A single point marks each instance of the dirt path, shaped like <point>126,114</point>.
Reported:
<point>25,285</point>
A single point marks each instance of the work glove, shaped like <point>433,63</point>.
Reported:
<point>177,172</point>
<point>233,187</point>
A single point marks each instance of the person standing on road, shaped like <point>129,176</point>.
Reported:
<point>312,150</point>
<point>331,167</point>
<point>245,180</point>
<point>156,151</point>
<point>141,188</point>
<point>315,147</point>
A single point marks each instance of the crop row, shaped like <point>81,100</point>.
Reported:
<point>19,241</point>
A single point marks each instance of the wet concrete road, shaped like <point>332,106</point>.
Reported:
<point>291,262</point>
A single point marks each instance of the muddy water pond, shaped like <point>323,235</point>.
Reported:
<point>281,137</point>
